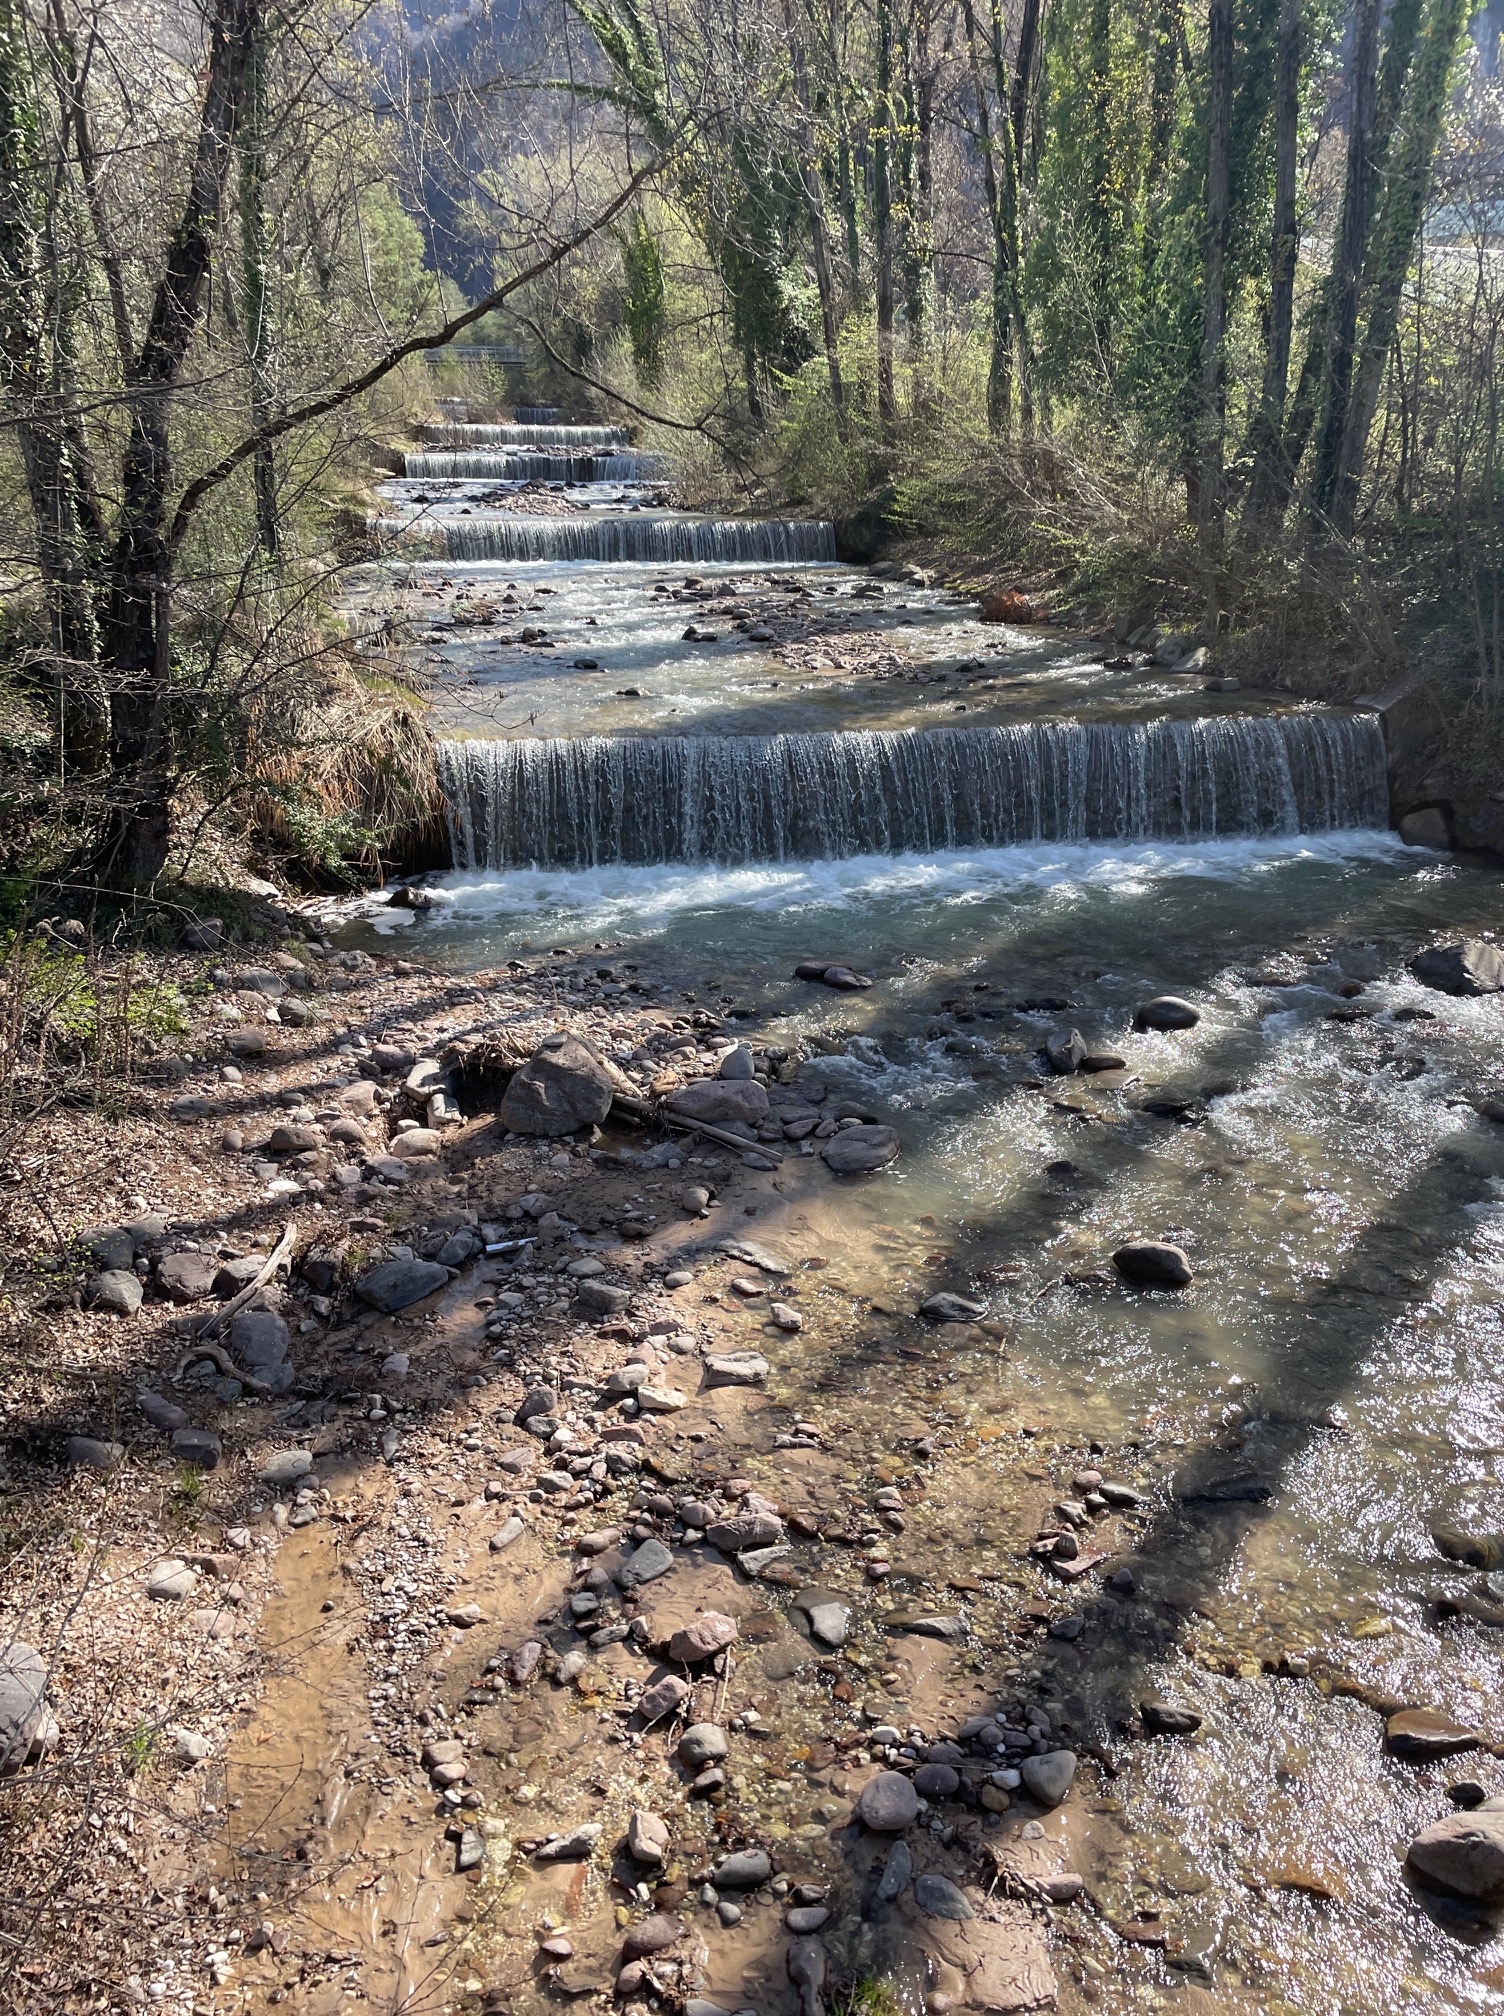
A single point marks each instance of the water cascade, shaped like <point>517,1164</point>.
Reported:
<point>524,466</point>
<point>578,440</point>
<point>734,799</point>
<point>536,415</point>
<point>662,541</point>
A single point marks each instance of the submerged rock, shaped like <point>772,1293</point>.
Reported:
<point>1165,1718</point>
<point>1166,1011</point>
<point>1463,1853</point>
<point>948,1308</point>
<point>1153,1263</point>
<point>1471,967</point>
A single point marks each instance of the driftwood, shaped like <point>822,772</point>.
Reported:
<point>203,1345</point>
<point>644,1109</point>
<point>218,1355</point>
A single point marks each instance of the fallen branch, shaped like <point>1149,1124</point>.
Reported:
<point>643,1109</point>
<point>217,1355</point>
<point>203,1347</point>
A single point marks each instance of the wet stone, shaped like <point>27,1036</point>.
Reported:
<point>703,1743</point>
<point>470,1852</point>
<point>1419,1736</point>
<point>575,1846</point>
<point>651,1560</point>
<point>1166,1011</point>
<point>735,1368</point>
<point>938,1897</point>
<point>1165,1718</point>
<point>664,1697</point>
<point>948,1308</point>
<point>888,1803</point>
<point>1153,1263</point>
<point>743,1871</point>
<point>1463,1853</point>
<point>859,1150</point>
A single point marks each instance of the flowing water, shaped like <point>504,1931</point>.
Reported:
<point>1332,1384</point>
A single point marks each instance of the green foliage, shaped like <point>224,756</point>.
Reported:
<point>646,298</point>
<point>138,1749</point>
<point>56,996</point>
<point>870,1995</point>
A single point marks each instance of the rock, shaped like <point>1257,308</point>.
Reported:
<point>171,1581</point>
<point>470,1850</point>
<point>1166,1011</point>
<point>664,1697</point>
<point>888,1803</point>
<point>87,1452</point>
<point>115,1290</point>
<point>599,1298</point>
<point>808,1967</point>
<point>415,1143</point>
<point>652,1935</point>
<point>646,1564</point>
<point>259,1338</point>
<point>563,1086</point>
<point>1463,1853</point>
<point>703,1743</point>
<point>661,1399</point>
<point>737,1065</point>
<point>1065,1051</point>
<point>23,1687</point>
<point>159,1412</point>
<point>948,1308</point>
<point>857,1151</point>
<point>1002,1960</point>
<point>1427,827</point>
<point>191,1748</point>
<point>1474,1550</point>
<point>286,1466</point>
<point>744,1530</point>
<point>735,1368</point>
<point>720,1099</point>
<point>1472,967</point>
<point>248,1042</point>
<point>695,1199</point>
<point>783,1317</point>
<point>753,1255</point>
<point>200,1448</point>
<point>707,1634</point>
<point>1163,1718</point>
<point>805,1919</point>
<point>743,1871</point>
<point>647,1838</point>
<point>829,1622</point>
<point>202,934</point>
<point>573,1847</point>
<point>398,1284</point>
<point>897,1874</point>
<point>187,1277</point>
<point>1048,1778</point>
<point>1419,1736</point>
<point>1153,1263</point>
<point>288,1138</point>
<point>938,1897</point>
<point>507,1534</point>
<point>537,1400</point>
<point>937,1781</point>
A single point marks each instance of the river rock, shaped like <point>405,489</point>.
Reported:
<point>646,1564</point>
<point>647,1838</point>
<point>857,1151</point>
<point>159,1412</point>
<point>200,1448</point>
<point>751,1254</point>
<point>536,1401</point>
<point>703,1743</point>
<point>897,1874</point>
<point>711,1632</point>
<point>888,1803</point>
<point>1463,1853</point>
<point>1164,1718</point>
<point>284,1467</point>
<point>398,1284</point>
<point>948,1308</point>
<point>1065,1051</point>
<point>1472,967</point>
<point>170,1581</point>
<point>745,1530</point>
<point>290,1138</point>
<point>187,1277</point>
<point>735,1368</point>
<point>599,1298</point>
<point>506,1535</point>
<point>664,1697</point>
<point>572,1847</point>
<point>564,1085</point>
<point>937,1781</point>
<point>1153,1263</point>
<point>718,1100</point>
<point>259,1338</point>
<point>23,1686</point>
<point>1166,1011</point>
<point>743,1871</point>
<point>1427,827</point>
<point>805,1919</point>
<point>114,1290</point>
<point>87,1452</point>
<point>829,1622</point>
<point>652,1935</point>
<point>938,1897</point>
<point>737,1064</point>
<point>416,1141</point>
<point>1049,1778</point>
<point>1419,1736</point>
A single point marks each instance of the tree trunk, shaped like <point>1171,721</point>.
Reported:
<point>814,207</point>
<point>255,275</point>
<point>1347,264</point>
<point>1396,235</point>
<point>882,214</point>
<point>1268,425</point>
<point>1214,306</point>
<point>137,644</point>
<point>1000,365</point>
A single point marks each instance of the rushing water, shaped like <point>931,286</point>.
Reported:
<point>1329,1387</point>
<point>660,540</point>
<point>529,466</point>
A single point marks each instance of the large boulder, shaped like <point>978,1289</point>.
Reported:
<point>1166,1011</point>
<point>720,1099</point>
<point>23,1684</point>
<point>1463,1853</point>
<point>1471,967</point>
<point>857,1151</point>
<point>563,1086</point>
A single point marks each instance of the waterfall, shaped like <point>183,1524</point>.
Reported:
<point>736,799</point>
<point>537,415</point>
<point>583,440</point>
<point>664,541</point>
<point>523,465</point>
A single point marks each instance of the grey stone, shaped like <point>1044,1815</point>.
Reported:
<point>259,1338</point>
<point>1164,1718</point>
<point>87,1452</point>
<point>572,1847</point>
<point>202,934</point>
<point>415,1142</point>
<point>805,1919</point>
<point>198,1447</point>
<point>1471,967</point>
<point>537,1400</point>
<point>470,1851</point>
<point>694,1199</point>
<point>720,1100</point>
<point>948,1308</point>
<point>1048,1778</point>
<point>735,1368</point>
<point>187,1277</point>
<point>285,1466</point>
<point>1463,1853</point>
<point>23,1688</point>
<point>1427,827</point>
<point>829,1622</point>
<point>115,1290</point>
<point>664,1697</point>
<point>744,1871</point>
<point>888,1803</point>
<point>291,1138</point>
<point>758,1560</point>
<point>599,1298</point>
<point>857,1151</point>
<point>1065,1051</point>
<point>938,1897</point>
<point>563,1086</point>
<point>744,1530</point>
<point>897,1874</point>
<point>190,1746</point>
<point>398,1284</point>
<point>703,1743</point>
<point>737,1065</point>
<point>171,1581</point>
<point>646,1564</point>
<point>1166,1011</point>
<point>112,1248</point>
<point>647,1838</point>
<point>504,1536</point>
<point>654,1934</point>
<point>1153,1263</point>
<point>159,1412</point>
<point>937,1781</point>
<point>751,1254</point>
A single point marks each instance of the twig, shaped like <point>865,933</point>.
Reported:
<point>644,1109</point>
<point>204,1348</point>
<point>217,1354</point>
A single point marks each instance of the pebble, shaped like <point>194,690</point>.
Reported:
<point>734,1368</point>
<point>1165,1718</point>
<point>703,1743</point>
<point>729,1914</point>
<point>785,1318</point>
<point>571,1847</point>
<point>898,1872</point>
<point>159,1412</point>
<point>948,1308</point>
<point>937,1781</point>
